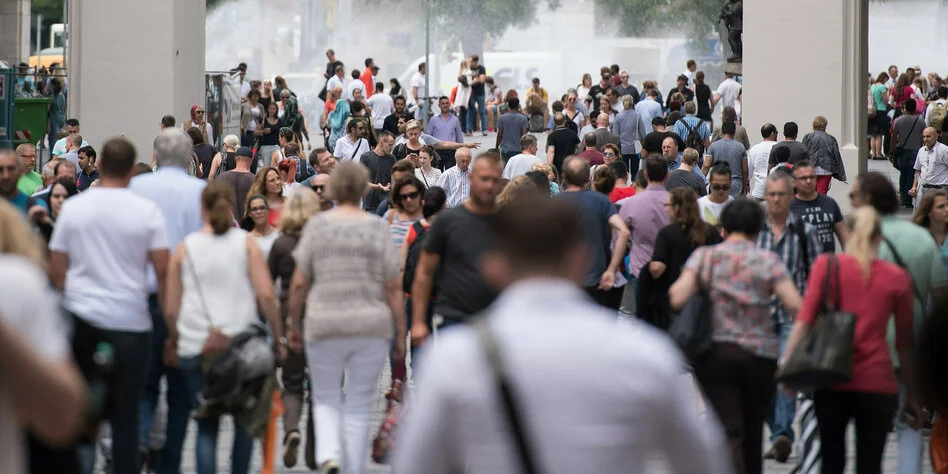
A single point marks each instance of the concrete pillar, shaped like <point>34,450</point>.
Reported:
<point>15,31</point>
<point>125,75</point>
<point>806,58</point>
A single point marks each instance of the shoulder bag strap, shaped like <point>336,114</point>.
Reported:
<point>492,353</point>
<point>904,140</point>
<point>355,150</point>
<point>804,246</point>
<point>197,283</point>
<point>901,263</point>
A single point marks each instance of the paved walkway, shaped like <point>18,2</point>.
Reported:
<point>657,466</point>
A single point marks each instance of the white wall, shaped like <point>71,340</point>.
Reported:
<point>806,58</point>
<point>130,63</point>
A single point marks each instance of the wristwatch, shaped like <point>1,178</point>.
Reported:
<point>282,341</point>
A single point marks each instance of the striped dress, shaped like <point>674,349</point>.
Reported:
<point>398,228</point>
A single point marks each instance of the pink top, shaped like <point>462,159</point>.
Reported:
<point>888,292</point>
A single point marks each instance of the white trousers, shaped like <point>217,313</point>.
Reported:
<point>345,416</point>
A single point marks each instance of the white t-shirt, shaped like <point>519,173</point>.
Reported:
<point>29,308</point>
<point>382,105</point>
<point>757,158</point>
<point>519,165</point>
<point>333,82</point>
<point>418,80</point>
<point>728,90</point>
<point>107,234</point>
<point>346,150</point>
<point>711,211</point>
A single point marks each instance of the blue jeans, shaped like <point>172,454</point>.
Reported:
<point>179,403</point>
<point>910,442</point>
<point>206,447</point>
<point>481,102</point>
<point>783,408</point>
<point>632,162</point>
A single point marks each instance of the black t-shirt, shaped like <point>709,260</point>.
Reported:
<point>823,214</point>
<point>564,142</point>
<point>241,183</point>
<point>478,88</point>
<point>686,179</point>
<point>703,93</point>
<point>403,150</point>
<point>205,154</point>
<point>631,90</point>
<point>390,124</point>
<point>689,96</point>
<point>331,69</point>
<point>652,143</point>
<point>460,238</point>
<point>595,91</point>
<point>272,138</point>
<point>797,152</point>
<point>380,172</point>
<point>673,247</point>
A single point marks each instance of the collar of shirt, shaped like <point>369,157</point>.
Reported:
<point>655,187</point>
<point>540,289</point>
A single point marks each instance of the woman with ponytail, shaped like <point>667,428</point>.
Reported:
<point>217,279</point>
<point>872,290</point>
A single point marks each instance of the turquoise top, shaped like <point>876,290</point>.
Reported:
<point>877,90</point>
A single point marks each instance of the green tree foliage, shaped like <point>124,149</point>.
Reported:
<point>470,21</point>
<point>695,18</point>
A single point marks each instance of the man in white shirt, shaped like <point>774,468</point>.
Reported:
<point>690,67</point>
<point>71,126</point>
<point>339,80</point>
<point>893,76</point>
<point>522,164</point>
<point>456,180</point>
<point>418,90</point>
<point>353,144</point>
<point>931,165</point>
<point>381,105</point>
<point>612,400</point>
<point>719,193</point>
<point>100,249</point>
<point>178,196</point>
<point>757,158</point>
<point>727,92</point>
<point>73,144</point>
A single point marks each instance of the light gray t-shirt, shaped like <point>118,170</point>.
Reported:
<point>513,124</point>
<point>28,308</point>
<point>733,153</point>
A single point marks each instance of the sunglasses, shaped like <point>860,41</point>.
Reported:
<point>720,187</point>
<point>411,195</point>
<point>199,111</point>
<point>319,187</point>
<point>609,153</point>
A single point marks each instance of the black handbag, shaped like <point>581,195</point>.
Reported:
<point>825,357</point>
<point>691,329</point>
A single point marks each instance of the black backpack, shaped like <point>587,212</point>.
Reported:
<point>414,253</point>
<point>693,140</point>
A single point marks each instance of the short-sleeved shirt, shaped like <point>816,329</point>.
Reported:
<point>797,152</point>
<point>460,238</point>
<point>596,209</point>
<point>680,178</point>
<point>240,181</point>
<point>644,214</point>
<point>734,154</point>
<point>30,182</point>
<point>349,259</point>
<point>673,247</point>
<point>909,129</point>
<point>512,124</point>
<point>710,210</point>
<point>108,234</point>
<point>823,214</point>
<point>478,88</point>
<point>380,172</point>
<point>740,279</point>
<point>652,143</point>
<point>888,291</point>
<point>564,142</point>
<point>23,202</point>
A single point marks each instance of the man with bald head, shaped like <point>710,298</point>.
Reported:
<point>672,155</point>
<point>603,134</point>
<point>31,180</point>
<point>931,165</point>
<point>456,180</point>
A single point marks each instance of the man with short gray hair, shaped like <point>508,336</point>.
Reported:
<point>179,198</point>
<point>31,180</point>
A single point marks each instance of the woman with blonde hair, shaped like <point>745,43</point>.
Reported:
<point>463,95</point>
<point>268,183</point>
<point>872,290</point>
<point>583,88</point>
<point>551,175</point>
<point>226,159</point>
<point>514,189</point>
<point>932,214</point>
<point>300,206</point>
<point>347,271</point>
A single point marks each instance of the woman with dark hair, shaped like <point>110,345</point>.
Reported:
<point>740,133</point>
<point>432,203</point>
<point>736,373</point>
<point>932,214</point>
<point>257,224</point>
<point>509,95</point>
<point>268,182</point>
<point>269,134</point>
<point>900,92</point>
<point>62,189</point>
<point>703,99</point>
<point>406,208</point>
<point>604,180</point>
<point>251,116</point>
<point>217,280</point>
<point>879,124</point>
<point>394,87</point>
<point>427,172</point>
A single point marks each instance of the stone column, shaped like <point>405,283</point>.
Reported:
<point>132,62</point>
<point>15,31</point>
<point>806,58</point>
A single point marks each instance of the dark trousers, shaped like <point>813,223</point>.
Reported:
<point>739,386</point>
<point>632,162</point>
<point>179,403</point>
<point>872,412</point>
<point>610,299</point>
<point>125,386</point>
<point>906,162</point>
<point>445,160</point>
<point>506,155</point>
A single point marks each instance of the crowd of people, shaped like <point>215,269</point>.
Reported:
<point>266,283</point>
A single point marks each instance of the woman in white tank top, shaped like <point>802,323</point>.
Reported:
<point>217,279</point>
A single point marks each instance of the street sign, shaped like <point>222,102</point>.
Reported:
<point>22,135</point>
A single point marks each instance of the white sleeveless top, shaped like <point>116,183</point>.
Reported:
<point>221,266</point>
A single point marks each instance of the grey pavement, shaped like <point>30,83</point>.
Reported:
<point>656,466</point>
